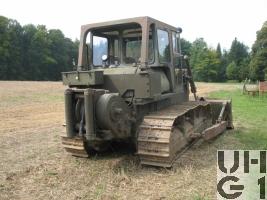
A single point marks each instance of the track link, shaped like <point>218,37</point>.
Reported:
<point>165,133</point>
<point>75,146</point>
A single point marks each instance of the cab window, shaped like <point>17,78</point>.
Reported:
<point>100,48</point>
<point>163,46</point>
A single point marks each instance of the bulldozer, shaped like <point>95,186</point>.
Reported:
<point>132,84</point>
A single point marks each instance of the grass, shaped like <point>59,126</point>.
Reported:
<point>200,197</point>
<point>232,81</point>
<point>250,118</point>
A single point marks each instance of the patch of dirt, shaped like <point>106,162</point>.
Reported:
<point>35,166</point>
<point>203,89</point>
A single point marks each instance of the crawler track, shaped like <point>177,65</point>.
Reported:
<point>163,134</point>
<point>75,146</point>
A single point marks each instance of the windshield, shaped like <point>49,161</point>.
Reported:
<point>132,45</point>
<point>116,46</point>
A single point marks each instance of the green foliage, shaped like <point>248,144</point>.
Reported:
<point>214,65</point>
<point>197,51</point>
<point>238,54</point>
<point>244,71</point>
<point>185,47</point>
<point>221,74</point>
<point>232,71</point>
<point>258,64</point>
<point>207,68</point>
<point>10,47</point>
<point>238,72</point>
<point>33,52</point>
<point>219,51</point>
<point>205,61</point>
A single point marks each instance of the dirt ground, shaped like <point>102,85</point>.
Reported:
<point>33,164</point>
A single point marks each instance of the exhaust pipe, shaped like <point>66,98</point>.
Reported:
<point>89,114</point>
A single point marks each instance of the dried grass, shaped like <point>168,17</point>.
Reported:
<point>34,165</point>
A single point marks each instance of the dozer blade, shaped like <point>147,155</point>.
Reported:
<point>75,146</point>
<point>221,116</point>
<point>214,131</point>
<point>221,111</point>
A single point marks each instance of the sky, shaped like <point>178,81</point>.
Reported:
<point>214,20</point>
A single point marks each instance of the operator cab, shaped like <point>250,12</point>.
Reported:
<point>117,46</point>
<point>131,42</point>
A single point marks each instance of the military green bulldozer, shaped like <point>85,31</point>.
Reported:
<point>132,84</point>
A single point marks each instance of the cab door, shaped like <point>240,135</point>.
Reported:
<point>177,61</point>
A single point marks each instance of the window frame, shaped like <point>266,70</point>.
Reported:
<point>152,26</point>
<point>174,43</point>
<point>92,47</point>
<point>159,60</point>
<point>176,51</point>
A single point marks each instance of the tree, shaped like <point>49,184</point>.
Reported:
<point>197,51</point>
<point>40,52</point>
<point>30,71</point>
<point>238,54</point>
<point>223,65</point>
<point>219,51</point>
<point>258,63</point>
<point>244,72</point>
<point>58,54</point>
<point>33,52</point>
<point>232,71</point>
<point>207,68</point>
<point>185,46</point>
<point>10,48</point>
<point>4,47</point>
<point>204,61</point>
<point>221,74</point>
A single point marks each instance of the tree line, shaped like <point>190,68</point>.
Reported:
<point>32,52</point>
<point>216,65</point>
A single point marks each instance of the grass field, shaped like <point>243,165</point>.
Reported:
<point>250,118</point>
<point>34,165</point>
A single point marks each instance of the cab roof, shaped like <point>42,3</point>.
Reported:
<point>139,20</point>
